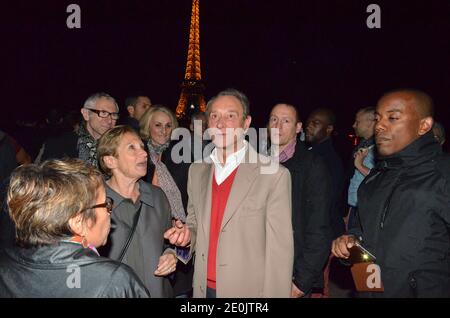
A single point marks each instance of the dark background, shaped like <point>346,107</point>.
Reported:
<point>310,53</point>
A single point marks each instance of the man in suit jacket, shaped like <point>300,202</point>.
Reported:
<point>239,215</point>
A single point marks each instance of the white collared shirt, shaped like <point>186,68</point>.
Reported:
<point>221,172</point>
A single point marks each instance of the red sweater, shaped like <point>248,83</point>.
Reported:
<point>219,200</point>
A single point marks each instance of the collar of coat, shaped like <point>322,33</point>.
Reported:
<point>422,150</point>
<point>146,191</point>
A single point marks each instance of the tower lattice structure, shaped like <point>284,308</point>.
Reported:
<point>192,99</point>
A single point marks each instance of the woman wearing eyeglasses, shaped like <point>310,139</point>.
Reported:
<point>61,215</point>
<point>141,212</point>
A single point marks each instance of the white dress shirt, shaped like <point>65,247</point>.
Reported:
<point>221,172</point>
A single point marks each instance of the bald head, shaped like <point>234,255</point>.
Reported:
<point>327,114</point>
<point>402,117</point>
<point>420,101</point>
<point>320,125</point>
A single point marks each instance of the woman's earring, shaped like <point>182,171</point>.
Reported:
<point>84,242</point>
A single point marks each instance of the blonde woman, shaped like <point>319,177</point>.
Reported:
<point>157,125</point>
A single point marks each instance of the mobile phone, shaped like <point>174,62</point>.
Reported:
<point>359,254</point>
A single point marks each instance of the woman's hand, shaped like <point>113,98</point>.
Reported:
<point>179,234</point>
<point>360,155</point>
<point>167,265</point>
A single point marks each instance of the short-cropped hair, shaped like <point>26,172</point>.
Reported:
<point>108,143</point>
<point>92,100</point>
<point>144,122</point>
<point>243,100</point>
<point>43,198</point>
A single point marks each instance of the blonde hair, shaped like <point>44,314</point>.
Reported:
<point>43,198</point>
<point>144,123</point>
<point>109,142</point>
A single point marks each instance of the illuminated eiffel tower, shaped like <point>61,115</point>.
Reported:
<point>191,98</point>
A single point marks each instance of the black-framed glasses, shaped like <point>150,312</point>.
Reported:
<point>104,113</point>
<point>108,205</point>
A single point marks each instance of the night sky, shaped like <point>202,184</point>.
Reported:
<point>310,53</point>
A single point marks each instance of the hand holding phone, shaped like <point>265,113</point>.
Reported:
<point>359,254</point>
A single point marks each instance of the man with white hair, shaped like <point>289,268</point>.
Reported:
<point>100,113</point>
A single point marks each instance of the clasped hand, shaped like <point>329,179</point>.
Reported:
<point>179,234</point>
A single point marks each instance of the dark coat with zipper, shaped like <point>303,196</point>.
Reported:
<point>65,270</point>
<point>311,201</point>
<point>404,211</point>
<point>57,147</point>
<point>336,171</point>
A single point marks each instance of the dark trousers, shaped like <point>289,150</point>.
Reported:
<point>210,293</point>
<point>353,218</point>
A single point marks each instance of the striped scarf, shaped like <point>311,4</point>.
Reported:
<point>166,182</point>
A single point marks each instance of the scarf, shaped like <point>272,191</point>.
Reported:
<point>87,146</point>
<point>166,181</point>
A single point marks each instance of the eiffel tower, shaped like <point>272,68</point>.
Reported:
<point>191,98</point>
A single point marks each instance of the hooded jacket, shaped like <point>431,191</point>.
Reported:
<point>404,210</point>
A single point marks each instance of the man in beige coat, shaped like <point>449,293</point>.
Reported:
<point>239,214</point>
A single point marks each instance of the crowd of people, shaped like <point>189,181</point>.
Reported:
<point>103,209</point>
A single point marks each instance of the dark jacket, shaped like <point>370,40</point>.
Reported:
<point>179,171</point>
<point>58,147</point>
<point>65,270</point>
<point>7,157</point>
<point>148,242</point>
<point>7,228</point>
<point>130,121</point>
<point>404,209</point>
<point>8,163</point>
<point>336,171</point>
<point>311,199</point>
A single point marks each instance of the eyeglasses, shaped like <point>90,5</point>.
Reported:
<point>105,114</point>
<point>108,205</point>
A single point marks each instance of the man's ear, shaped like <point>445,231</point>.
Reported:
<point>426,124</point>
<point>298,127</point>
<point>130,110</point>
<point>85,113</point>
<point>247,122</point>
<point>330,129</point>
<point>76,225</point>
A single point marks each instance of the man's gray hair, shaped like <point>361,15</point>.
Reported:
<point>92,100</point>
<point>368,111</point>
<point>235,93</point>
